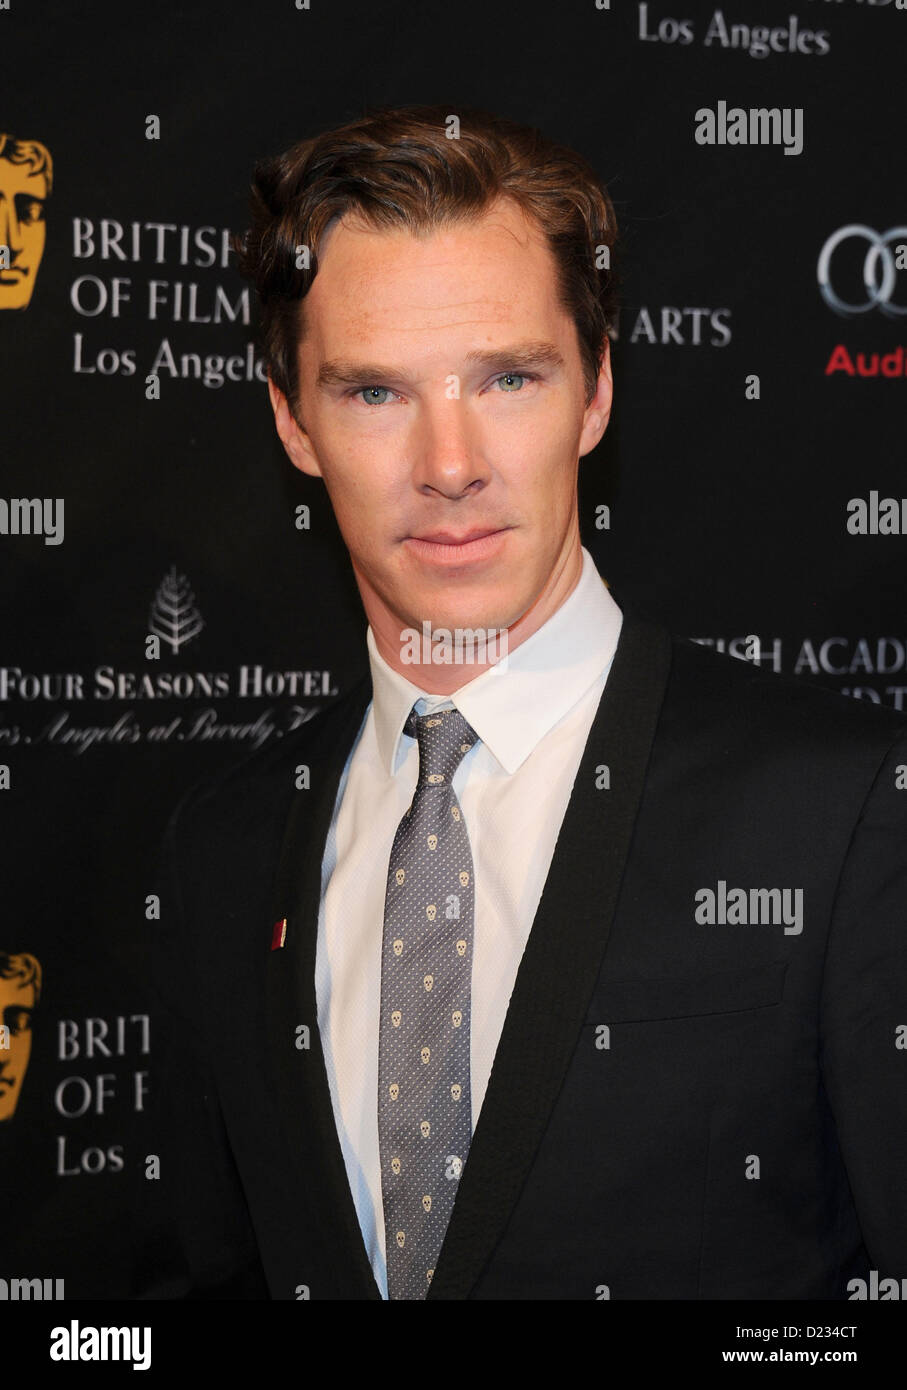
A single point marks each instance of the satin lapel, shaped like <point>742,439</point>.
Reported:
<point>561,962</point>
<point>303,1094</point>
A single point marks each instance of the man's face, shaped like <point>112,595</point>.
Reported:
<point>442,395</point>
<point>22,229</point>
<point>16,1006</point>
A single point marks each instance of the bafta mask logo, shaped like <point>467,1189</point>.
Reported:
<point>20,990</point>
<point>26,181</point>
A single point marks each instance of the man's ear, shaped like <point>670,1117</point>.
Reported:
<point>299,448</point>
<point>598,411</point>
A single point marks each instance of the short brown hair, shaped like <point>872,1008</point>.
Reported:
<point>396,167</point>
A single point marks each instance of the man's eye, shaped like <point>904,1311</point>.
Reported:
<point>511,381</point>
<point>374,395</point>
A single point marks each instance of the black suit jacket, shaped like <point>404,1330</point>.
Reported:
<point>677,1110</point>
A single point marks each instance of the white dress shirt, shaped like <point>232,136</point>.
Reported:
<point>513,786</point>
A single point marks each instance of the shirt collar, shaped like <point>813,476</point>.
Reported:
<point>512,709</point>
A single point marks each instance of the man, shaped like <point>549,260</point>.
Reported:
<point>26,180</point>
<point>579,974</point>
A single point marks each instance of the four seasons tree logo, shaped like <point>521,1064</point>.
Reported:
<point>174,617</point>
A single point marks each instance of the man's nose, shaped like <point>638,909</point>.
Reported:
<point>450,454</point>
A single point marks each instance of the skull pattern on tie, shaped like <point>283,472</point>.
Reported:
<point>424,1098</point>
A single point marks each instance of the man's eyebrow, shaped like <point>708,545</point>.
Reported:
<point>531,354</point>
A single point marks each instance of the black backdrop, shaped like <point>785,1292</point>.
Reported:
<point>728,501</point>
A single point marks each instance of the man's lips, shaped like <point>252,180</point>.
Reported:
<point>452,538</point>
<point>452,548</point>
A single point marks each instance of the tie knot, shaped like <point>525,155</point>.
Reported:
<point>444,739</point>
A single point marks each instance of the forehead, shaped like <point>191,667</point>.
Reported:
<point>19,178</point>
<point>495,269</point>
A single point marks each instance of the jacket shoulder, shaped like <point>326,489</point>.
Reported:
<point>715,687</point>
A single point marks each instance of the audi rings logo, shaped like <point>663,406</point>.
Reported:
<point>880,269</point>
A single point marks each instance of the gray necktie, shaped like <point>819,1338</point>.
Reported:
<point>424,1099</point>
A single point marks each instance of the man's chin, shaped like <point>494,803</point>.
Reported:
<point>487,608</point>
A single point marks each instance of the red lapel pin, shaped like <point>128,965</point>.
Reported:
<point>279,934</point>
